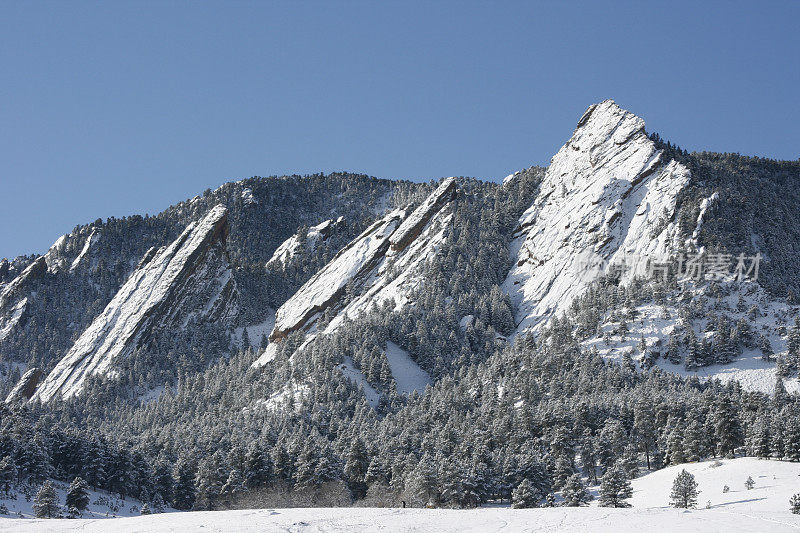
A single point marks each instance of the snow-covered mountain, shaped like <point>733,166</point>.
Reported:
<point>608,194</point>
<point>337,338</point>
<point>189,280</point>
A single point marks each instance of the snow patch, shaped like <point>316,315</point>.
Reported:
<point>406,372</point>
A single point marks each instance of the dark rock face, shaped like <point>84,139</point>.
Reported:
<point>25,387</point>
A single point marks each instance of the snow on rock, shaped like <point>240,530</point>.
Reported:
<point>25,387</point>
<point>510,177</point>
<point>413,224</point>
<point>267,356</point>
<point>294,244</point>
<point>602,196</point>
<point>406,372</point>
<point>13,297</point>
<point>326,287</point>
<point>704,205</point>
<point>381,262</point>
<point>156,295</point>
<point>55,256</point>
<point>247,197</point>
<point>84,251</point>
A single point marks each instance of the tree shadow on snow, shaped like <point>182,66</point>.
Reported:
<point>736,502</point>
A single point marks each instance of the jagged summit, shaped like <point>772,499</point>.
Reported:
<point>163,292</point>
<point>607,193</point>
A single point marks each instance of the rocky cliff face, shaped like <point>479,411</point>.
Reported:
<point>25,387</point>
<point>296,244</point>
<point>380,264</point>
<point>190,279</point>
<point>608,196</point>
<point>14,296</point>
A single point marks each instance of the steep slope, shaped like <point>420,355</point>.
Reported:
<point>609,196</point>
<point>14,295</point>
<point>188,280</point>
<point>379,264</point>
<point>25,387</point>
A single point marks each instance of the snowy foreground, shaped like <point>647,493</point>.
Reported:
<point>764,508</point>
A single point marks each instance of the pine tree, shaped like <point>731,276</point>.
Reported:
<point>794,504</point>
<point>791,439</point>
<point>257,466</point>
<point>644,426</point>
<point>525,496</point>
<point>375,472</point>
<point>749,483</point>
<point>694,449</point>
<point>145,510</point>
<point>575,493</point>
<point>8,473</point>
<point>727,427</point>
<point>355,468</point>
<point>615,489</point>
<point>184,492</point>
<point>422,483</point>
<point>78,495</point>
<point>684,491</point>
<point>45,504</point>
<point>676,448</point>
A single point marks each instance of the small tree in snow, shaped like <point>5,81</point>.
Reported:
<point>45,504</point>
<point>749,483</point>
<point>615,489</point>
<point>146,508</point>
<point>78,495</point>
<point>575,493</point>
<point>524,496</point>
<point>794,504</point>
<point>684,491</point>
<point>726,489</point>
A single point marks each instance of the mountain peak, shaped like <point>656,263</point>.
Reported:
<point>603,192</point>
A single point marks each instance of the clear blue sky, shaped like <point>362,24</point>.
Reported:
<point>111,108</point>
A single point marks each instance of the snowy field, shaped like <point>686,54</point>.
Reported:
<point>764,508</point>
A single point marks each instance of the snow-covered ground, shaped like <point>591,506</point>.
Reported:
<point>406,372</point>
<point>102,504</point>
<point>255,332</point>
<point>656,322</point>
<point>764,508</point>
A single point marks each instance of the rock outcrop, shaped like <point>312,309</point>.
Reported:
<point>608,196</point>
<point>379,264</point>
<point>292,246</point>
<point>326,288</point>
<point>25,387</point>
<point>190,279</point>
<point>14,296</point>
